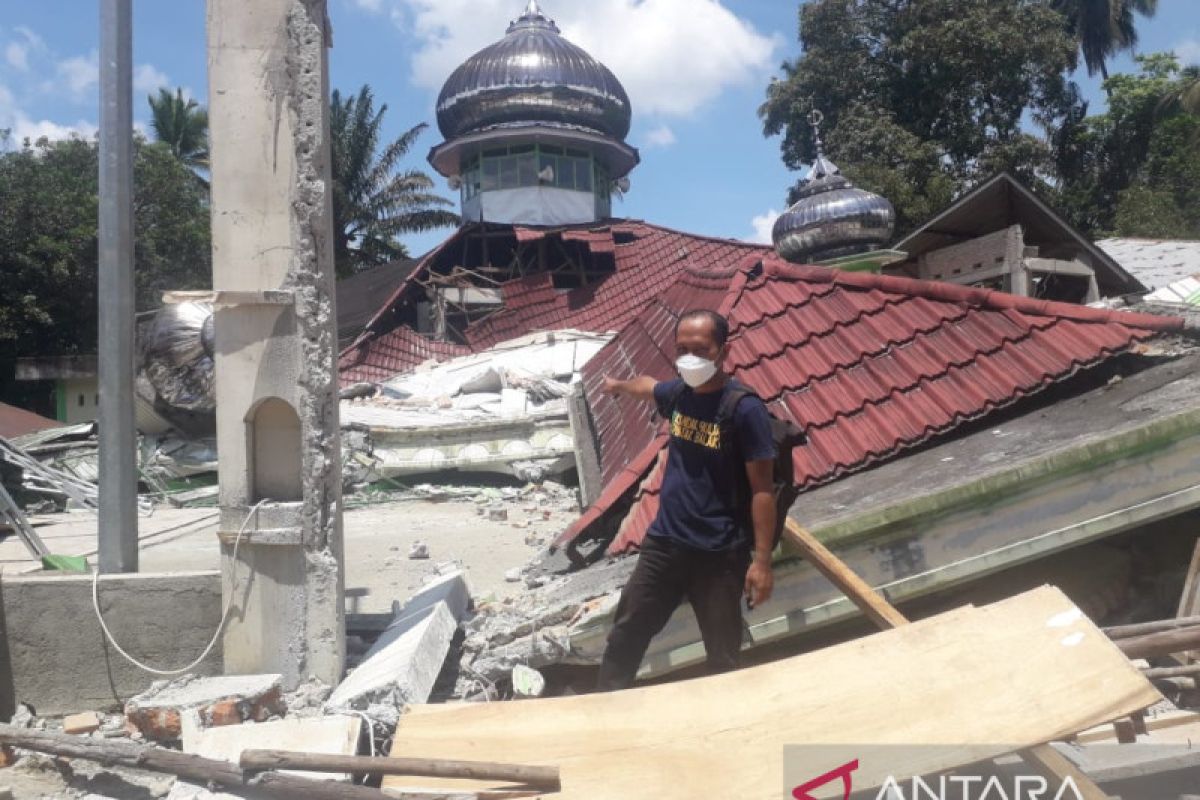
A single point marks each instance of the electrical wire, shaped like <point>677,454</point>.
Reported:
<point>220,625</point>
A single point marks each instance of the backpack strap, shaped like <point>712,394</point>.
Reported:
<point>734,392</point>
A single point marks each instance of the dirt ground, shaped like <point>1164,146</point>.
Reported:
<point>378,539</point>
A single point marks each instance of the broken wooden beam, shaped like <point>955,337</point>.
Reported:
<point>1143,628</point>
<point>544,778</point>
<point>1186,671</point>
<point>228,776</point>
<point>1163,643</point>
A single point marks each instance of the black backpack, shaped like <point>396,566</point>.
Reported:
<point>785,434</point>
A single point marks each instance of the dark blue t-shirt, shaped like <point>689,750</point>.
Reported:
<point>698,503</point>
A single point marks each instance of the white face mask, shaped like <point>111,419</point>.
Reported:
<point>694,370</point>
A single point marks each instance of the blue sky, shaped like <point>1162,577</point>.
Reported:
<point>695,70</point>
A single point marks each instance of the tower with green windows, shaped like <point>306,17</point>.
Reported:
<point>534,130</point>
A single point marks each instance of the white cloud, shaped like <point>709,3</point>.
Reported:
<point>26,128</point>
<point>672,56</point>
<point>148,79</point>
<point>17,56</point>
<point>80,72</point>
<point>762,224</point>
<point>373,6</point>
<point>662,136</point>
<point>17,52</point>
<point>22,126</point>
<point>1188,51</point>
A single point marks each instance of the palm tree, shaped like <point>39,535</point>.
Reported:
<point>1103,27</point>
<point>373,202</point>
<point>182,125</point>
<point>1184,94</point>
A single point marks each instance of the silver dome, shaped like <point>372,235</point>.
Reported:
<point>831,217</point>
<point>533,76</point>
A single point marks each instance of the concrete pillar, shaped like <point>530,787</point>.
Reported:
<point>275,337</point>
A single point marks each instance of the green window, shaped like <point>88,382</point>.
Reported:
<point>526,164</point>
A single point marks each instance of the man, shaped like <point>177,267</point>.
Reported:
<point>698,547</point>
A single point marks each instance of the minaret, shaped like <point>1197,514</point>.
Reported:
<point>831,217</point>
<point>534,129</point>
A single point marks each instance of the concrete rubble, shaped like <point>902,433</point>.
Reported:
<point>164,711</point>
<point>404,670</point>
<point>332,735</point>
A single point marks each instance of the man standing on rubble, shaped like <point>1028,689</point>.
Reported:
<point>698,547</point>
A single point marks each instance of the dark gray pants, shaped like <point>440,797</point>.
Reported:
<point>666,573</point>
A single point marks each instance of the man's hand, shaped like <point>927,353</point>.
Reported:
<point>639,388</point>
<point>759,581</point>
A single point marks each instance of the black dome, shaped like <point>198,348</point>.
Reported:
<point>533,76</point>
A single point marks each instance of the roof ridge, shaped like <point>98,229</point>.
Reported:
<point>766,249</point>
<point>983,298</point>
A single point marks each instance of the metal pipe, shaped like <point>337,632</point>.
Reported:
<point>118,443</point>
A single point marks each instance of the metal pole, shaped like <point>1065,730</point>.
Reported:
<point>118,443</point>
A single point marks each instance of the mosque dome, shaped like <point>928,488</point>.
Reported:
<point>533,76</point>
<point>831,216</point>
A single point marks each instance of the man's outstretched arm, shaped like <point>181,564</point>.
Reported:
<point>639,388</point>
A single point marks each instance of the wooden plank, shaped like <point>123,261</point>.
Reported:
<point>1041,756</point>
<point>1029,669</point>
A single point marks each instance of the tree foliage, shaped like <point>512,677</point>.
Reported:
<point>923,97</point>
<point>1103,28</point>
<point>182,125</point>
<point>1135,169</point>
<point>374,201</point>
<point>49,236</point>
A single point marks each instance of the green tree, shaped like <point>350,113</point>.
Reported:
<point>1185,94</point>
<point>182,125</point>
<point>1103,28</point>
<point>1135,169</point>
<point>48,240</point>
<point>374,201</point>
<point>924,97</point>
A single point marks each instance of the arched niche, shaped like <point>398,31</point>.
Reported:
<point>273,428</point>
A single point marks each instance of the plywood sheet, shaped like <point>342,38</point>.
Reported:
<point>1022,671</point>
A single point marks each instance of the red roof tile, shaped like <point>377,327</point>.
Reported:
<point>382,357</point>
<point>868,365</point>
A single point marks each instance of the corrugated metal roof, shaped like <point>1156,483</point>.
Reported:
<point>1155,262</point>
<point>358,296</point>
<point>868,365</point>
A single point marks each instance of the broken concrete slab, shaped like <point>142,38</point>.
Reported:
<point>451,589</point>
<point>405,670</point>
<point>159,712</point>
<point>332,735</point>
<point>163,619</point>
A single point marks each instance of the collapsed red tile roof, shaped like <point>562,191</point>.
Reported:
<point>388,354</point>
<point>17,421</point>
<point>868,365</point>
<point>646,260</point>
